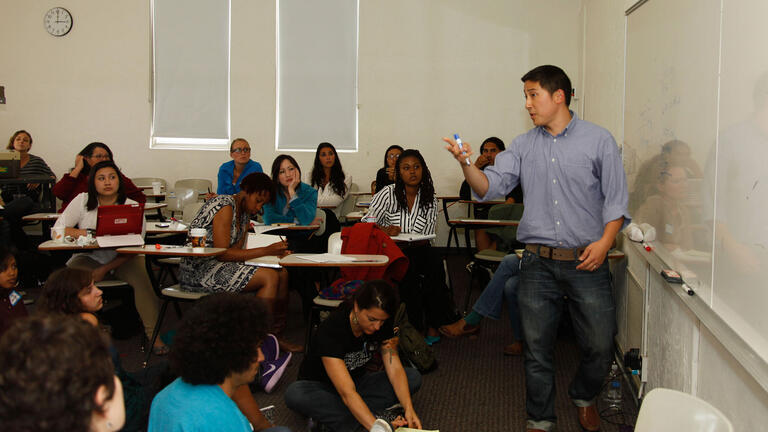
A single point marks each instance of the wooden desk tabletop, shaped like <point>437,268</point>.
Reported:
<point>166,228</point>
<point>169,250</point>
<point>484,222</point>
<point>359,193</point>
<point>41,217</point>
<point>363,204</point>
<point>490,202</point>
<point>154,206</point>
<point>51,245</point>
<point>296,260</point>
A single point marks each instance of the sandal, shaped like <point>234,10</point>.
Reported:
<point>458,329</point>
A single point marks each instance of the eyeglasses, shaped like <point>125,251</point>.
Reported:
<point>393,156</point>
<point>241,150</point>
<point>101,157</point>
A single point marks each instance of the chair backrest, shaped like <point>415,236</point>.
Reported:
<point>334,243</point>
<point>147,181</point>
<point>665,410</point>
<point>181,197</point>
<point>349,202</point>
<point>200,185</point>
<point>507,236</point>
<point>190,211</point>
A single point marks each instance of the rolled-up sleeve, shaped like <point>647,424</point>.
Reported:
<point>503,175</point>
<point>613,183</point>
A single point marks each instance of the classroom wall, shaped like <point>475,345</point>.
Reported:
<point>427,69</point>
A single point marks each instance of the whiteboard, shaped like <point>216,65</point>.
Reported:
<point>696,141</point>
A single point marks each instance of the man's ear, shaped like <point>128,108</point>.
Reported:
<point>559,96</point>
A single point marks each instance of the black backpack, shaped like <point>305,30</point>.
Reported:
<point>413,348</point>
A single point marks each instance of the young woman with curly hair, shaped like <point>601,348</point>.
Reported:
<point>216,353</point>
<point>410,206</point>
<point>328,178</point>
<point>57,375</point>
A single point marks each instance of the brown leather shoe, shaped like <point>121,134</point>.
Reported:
<point>589,418</point>
<point>458,329</point>
<point>513,349</point>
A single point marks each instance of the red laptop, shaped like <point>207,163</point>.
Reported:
<point>120,219</point>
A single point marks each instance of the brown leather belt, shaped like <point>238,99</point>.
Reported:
<point>557,254</point>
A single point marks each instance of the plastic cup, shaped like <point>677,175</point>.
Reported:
<point>57,234</point>
<point>157,188</point>
<point>197,238</point>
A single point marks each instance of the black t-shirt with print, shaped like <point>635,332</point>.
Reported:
<point>335,339</point>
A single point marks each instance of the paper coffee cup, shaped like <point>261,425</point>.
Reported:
<point>197,238</point>
<point>57,234</point>
<point>157,188</point>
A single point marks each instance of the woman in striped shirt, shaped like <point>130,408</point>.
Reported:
<point>410,206</point>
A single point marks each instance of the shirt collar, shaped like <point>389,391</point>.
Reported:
<point>571,124</point>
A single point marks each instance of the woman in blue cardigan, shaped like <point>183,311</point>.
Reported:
<point>233,172</point>
<point>296,202</point>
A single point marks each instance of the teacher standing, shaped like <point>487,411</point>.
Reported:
<point>575,204</point>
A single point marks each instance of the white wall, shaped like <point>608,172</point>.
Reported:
<point>427,69</point>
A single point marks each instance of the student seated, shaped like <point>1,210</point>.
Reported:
<point>226,220</point>
<point>76,181</point>
<point>21,200</point>
<point>295,201</point>
<point>333,387</point>
<point>106,186</point>
<point>71,292</point>
<point>386,174</point>
<point>328,178</point>
<point>489,149</point>
<point>11,304</point>
<point>216,353</point>
<point>57,376</point>
<point>410,206</point>
<point>503,286</point>
<point>233,172</point>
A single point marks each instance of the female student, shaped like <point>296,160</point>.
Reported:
<point>76,182</point>
<point>295,201</point>
<point>226,219</point>
<point>386,174</point>
<point>328,177</point>
<point>410,206</point>
<point>333,387</point>
<point>233,172</point>
<point>57,376</point>
<point>11,304</point>
<point>106,186</point>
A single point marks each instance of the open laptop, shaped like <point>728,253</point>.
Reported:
<point>120,219</point>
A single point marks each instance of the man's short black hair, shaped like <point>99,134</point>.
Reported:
<point>221,335</point>
<point>550,78</point>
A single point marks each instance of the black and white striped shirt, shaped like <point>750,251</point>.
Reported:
<point>387,211</point>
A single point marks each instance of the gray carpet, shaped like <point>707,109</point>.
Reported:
<point>475,388</point>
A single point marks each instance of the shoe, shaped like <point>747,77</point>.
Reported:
<point>272,371</point>
<point>459,328</point>
<point>589,418</point>
<point>513,349</point>
<point>270,348</point>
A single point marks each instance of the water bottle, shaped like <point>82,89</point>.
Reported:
<point>612,396</point>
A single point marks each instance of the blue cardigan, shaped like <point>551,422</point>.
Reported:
<point>301,209</point>
<point>227,171</point>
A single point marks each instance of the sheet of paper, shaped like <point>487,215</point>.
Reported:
<point>327,257</point>
<point>120,240</point>
<point>265,261</point>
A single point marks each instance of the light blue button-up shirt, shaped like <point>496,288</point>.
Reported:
<point>574,183</point>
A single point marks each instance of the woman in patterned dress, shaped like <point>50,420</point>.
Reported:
<point>226,220</point>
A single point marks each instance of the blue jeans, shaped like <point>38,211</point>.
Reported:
<point>503,286</point>
<point>543,284</point>
<point>320,400</point>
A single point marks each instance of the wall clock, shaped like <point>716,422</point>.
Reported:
<point>58,21</point>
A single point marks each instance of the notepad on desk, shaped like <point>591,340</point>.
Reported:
<point>412,237</point>
<point>120,240</point>
<point>327,257</point>
<point>265,261</point>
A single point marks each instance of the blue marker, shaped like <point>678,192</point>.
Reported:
<point>461,147</point>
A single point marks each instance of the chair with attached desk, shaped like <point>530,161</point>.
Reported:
<point>319,304</point>
<point>146,182</point>
<point>665,410</point>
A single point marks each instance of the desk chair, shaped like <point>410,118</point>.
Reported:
<point>201,185</point>
<point>320,304</point>
<point>665,410</point>
<point>167,265</point>
<point>147,181</point>
<point>452,232</point>
<point>180,197</point>
<point>349,204</point>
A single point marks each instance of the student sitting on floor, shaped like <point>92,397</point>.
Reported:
<point>333,387</point>
<point>216,353</point>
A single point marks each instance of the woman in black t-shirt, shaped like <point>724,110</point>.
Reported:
<point>333,387</point>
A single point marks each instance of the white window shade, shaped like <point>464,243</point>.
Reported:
<point>191,74</point>
<point>317,74</point>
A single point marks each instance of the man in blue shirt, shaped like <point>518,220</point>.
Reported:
<point>575,204</point>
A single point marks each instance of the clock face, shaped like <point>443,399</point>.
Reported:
<point>58,21</point>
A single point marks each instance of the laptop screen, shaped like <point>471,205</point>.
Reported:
<point>120,219</point>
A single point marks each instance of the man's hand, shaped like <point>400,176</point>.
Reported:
<point>594,255</point>
<point>457,153</point>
